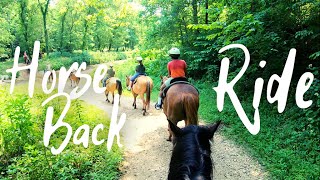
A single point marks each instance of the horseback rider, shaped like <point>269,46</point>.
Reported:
<point>110,73</point>
<point>177,69</point>
<point>140,70</point>
<point>26,58</point>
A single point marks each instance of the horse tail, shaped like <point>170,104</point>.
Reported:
<point>119,87</point>
<point>148,93</point>
<point>191,104</point>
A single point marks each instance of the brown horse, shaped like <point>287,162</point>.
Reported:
<point>73,78</point>
<point>113,84</point>
<point>181,103</point>
<point>143,85</point>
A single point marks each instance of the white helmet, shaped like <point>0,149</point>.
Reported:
<point>139,58</point>
<point>174,51</point>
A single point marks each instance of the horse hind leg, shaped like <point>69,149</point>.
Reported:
<point>170,132</point>
<point>107,96</point>
<point>135,101</point>
<point>144,111</point>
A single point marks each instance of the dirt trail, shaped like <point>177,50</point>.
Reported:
<point>147,153</point>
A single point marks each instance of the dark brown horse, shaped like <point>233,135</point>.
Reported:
<point>143,86</point>
<point>191,154</point>
<point>181,103</point>
<point>113,84</point>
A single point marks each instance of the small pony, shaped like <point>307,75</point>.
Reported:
<point>143,85</point>
<point>73,78</point>
<point>181,103</point>
<point>191,155</point>
<point>113,84</point>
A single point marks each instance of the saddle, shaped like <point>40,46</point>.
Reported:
<point>135,81</point>
<point>176,81</point>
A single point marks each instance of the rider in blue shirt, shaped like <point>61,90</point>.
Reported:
<point>140,70</point>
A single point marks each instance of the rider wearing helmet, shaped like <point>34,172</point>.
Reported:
<point>140,70</point>
<point>177,68</point>
<point>110,73</point>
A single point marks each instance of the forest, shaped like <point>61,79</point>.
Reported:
<point>100,31</point>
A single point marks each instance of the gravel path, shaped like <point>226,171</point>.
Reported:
<point>147,153</point>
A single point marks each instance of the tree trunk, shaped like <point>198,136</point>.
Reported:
<point>44,11</point>
<point>23,6</point>
<point>63,19</point>
<point>98,43</point>
<point>110,45</point>
<point>46,34</point>
<point>195,11</point>
<point>70,47</point>
<point>84,39</point>
<point>195,15</point>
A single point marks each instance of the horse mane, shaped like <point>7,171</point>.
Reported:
<point>191,156</point>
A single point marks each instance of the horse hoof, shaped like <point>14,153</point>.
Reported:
<point>144,113</point>
<point>168,140</point>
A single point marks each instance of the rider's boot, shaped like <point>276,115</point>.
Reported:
<point>158,105</point>
<point>130,86</point>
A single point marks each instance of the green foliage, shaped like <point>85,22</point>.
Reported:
<point>17,125</point>
<point>284,141</point>
<point>103,57</point>
<point>65,59</point>
<point>6,65</point>
<point>23,155</point>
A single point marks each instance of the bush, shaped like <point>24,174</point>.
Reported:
<point>64,59</point>
<point>104,57</point>
<point>23,155</point>
<point>4,66</point>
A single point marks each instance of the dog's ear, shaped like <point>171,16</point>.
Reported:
<point>161,77</point>
<point>175,129</point>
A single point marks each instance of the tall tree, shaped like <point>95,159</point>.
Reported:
<point>207,14</point>
<point>64,13</point>
<point>23,19</point>
<point>195,11</point>
<point>44,6</point>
